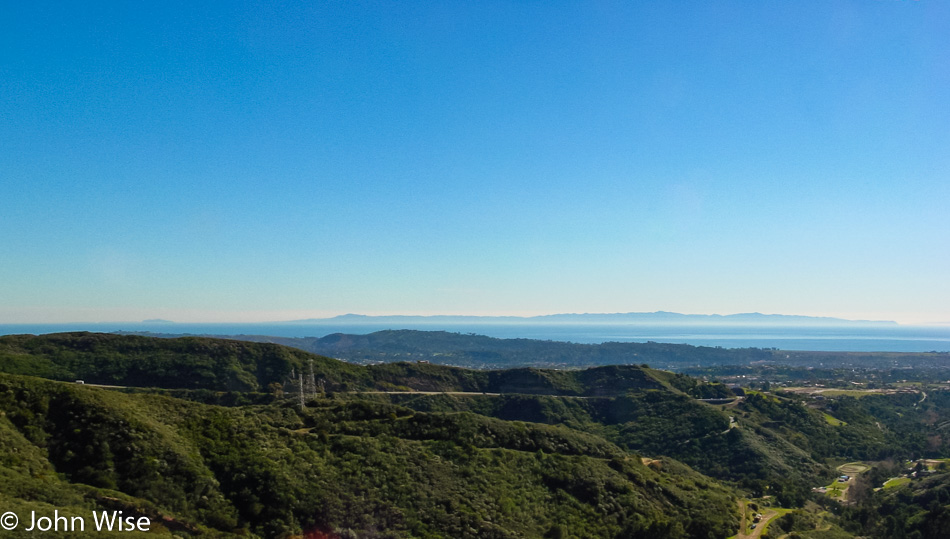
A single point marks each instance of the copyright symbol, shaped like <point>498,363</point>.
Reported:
<point>9,521</point>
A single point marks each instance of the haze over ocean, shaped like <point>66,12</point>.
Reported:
<point>835,338</point>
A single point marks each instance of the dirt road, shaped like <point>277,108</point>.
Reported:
<point>767,515</point>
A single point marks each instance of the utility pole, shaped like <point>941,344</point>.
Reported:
<point>312,382</point>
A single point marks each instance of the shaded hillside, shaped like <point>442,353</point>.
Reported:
<point>229,365</point>
<point>764,443</point>
<point>478,351</point>
<point>476,420</point>
<point>654,423</point>
<point>481,352</point>
<point>190,362</point>
<point>375,469</point>
<point>643,409</point>
<point>918,509</point>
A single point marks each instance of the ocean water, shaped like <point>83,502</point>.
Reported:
<point>822,338</point>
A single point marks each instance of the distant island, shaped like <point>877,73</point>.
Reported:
<point>654,318</point>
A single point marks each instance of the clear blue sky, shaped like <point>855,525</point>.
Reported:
<point>238,161</point>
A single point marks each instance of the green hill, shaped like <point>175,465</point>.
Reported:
<point>482,352</point>
<point>192,362</point>
<point>229,365</point>
<point>208,436</point>
<point>375,469</point>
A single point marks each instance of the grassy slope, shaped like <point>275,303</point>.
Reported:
<point>374,468</point>
<point>776,444</point>
<point>189,362</point>
<point>651,412</point>
<point>772,443</point>
<point>228,365</point>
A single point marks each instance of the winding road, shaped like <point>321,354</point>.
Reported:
<point>767,515</point>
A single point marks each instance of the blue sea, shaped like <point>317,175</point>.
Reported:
<point>820,338</point>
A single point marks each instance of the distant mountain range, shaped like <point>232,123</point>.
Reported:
<point>655,318</point>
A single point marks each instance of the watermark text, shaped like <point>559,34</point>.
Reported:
<point>99,521</point>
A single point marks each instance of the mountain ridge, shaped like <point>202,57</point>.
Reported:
<point>657,317</point>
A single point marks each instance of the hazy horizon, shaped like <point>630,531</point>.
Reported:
<point>697,318</point>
